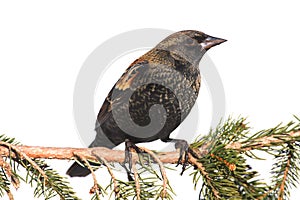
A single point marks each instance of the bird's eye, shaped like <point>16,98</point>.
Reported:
<point>199,38</point>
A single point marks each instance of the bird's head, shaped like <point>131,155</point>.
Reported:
<point>189,44</point>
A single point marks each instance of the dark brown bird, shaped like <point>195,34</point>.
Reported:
<point>154,95</point>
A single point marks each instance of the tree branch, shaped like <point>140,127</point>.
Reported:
<point>68,153</point>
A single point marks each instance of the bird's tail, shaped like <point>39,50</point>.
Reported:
<point>76,170</point>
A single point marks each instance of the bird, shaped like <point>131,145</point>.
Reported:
<point>153,96</point>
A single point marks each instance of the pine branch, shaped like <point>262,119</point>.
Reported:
<point>218,161</point>
<point>68,153</point>
<point>48,182</point>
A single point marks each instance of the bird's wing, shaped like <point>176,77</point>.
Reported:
<point>133,74</point>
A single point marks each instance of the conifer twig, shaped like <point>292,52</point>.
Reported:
<point>113,177</point>
<point>137,181</point>
<point>282,185</point>
<point>4,165</point>
<point>23,155</point>
<point>265,141</point>
<point>161,168</point>
<point>10,195</point>
<point>196,163</point>
<point>7,168</point>
<point>95,188</point>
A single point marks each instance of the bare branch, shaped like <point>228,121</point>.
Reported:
<point>68,153</point>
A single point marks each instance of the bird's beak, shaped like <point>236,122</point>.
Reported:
<point>211,41</point>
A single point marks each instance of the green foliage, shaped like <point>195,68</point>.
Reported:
<point>54,185</point>
<point>4,183</point>
<point>226,174</point>
<point>285,169</point>
<point>49,185</point>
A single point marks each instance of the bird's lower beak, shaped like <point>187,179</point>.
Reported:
<point>212,41</point>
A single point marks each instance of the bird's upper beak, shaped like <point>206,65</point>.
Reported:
<point>211,41</point>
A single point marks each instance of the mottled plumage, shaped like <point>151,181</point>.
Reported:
<point>167,75</point>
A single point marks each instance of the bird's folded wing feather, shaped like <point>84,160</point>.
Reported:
<point>132,74</point>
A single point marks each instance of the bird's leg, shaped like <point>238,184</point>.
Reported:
<point>129,176</point>
<point>128,157</point>
<point>184,149</point>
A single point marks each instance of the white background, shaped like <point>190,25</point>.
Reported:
<point>44,44</point>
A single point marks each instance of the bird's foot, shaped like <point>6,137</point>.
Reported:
<point>128,157</point>
<point>184,149</point>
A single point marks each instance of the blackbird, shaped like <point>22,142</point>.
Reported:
<point>153,96</point>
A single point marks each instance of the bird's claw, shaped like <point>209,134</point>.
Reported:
<point>183,146</point>
<point>128,155</point>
